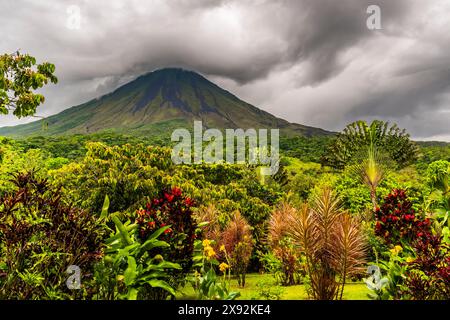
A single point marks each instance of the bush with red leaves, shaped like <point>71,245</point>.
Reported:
<point>428,276</point>
<point>40,236</point>
<point>174,209</point>
<point>397,222</point>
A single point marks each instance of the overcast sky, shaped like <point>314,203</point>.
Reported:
<point>313,62</point>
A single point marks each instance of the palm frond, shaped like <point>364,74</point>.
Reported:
<point>304,230</point>
<point>279,223</point>
<point>349,250</point>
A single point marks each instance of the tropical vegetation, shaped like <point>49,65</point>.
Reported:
<point>108,215</point>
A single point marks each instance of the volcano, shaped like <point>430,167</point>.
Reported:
<point>160,101</point>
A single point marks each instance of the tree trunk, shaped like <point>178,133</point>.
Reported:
<point>373,196</point>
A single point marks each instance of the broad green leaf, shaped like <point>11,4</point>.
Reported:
<point>154,275</point>
<point>161,284</point>
<point>152,243</point>
<point>157,233</point>
<point>233,295</point>
<point>163,265</point>
<point>123,231</point>
<point>130,272</point>
<point>132,294</point>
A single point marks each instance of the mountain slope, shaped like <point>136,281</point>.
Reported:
<point>168,98</point>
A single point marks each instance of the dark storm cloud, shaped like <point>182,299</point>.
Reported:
<point>328,27</point>
<point>425,92</point>
<point>309,31</point>
<point>310,61</point>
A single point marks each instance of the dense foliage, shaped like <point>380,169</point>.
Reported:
<point>418,268</point>
<point>40,238</point>
<point>145,228</point>
<point>428,276</point>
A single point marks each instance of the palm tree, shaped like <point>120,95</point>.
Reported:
<point>358,135</point>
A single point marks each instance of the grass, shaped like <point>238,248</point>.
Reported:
<point>352,291</point>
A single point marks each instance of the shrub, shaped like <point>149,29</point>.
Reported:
<point>332,243</point>
<point>282,245</point>
<point>428,276</point>
<point>389,286</point>
<point>208,218</point>
<point>13,160</point>
<point>172,209</point>
<point>205,281</point>
<point>268,290</point>
<point>397,221</point>
<point>40,237</point>
<point>132,269</point>
<point>438,178</point>
<point>237,241</point>
<point>438,175</point>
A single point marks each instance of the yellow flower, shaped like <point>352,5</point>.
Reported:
<point>396,250</point>
<point>410,259</point>
<point>223,267</point>
<point>209,252</point>
<point>222,248</point>
<point>206,243</point>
